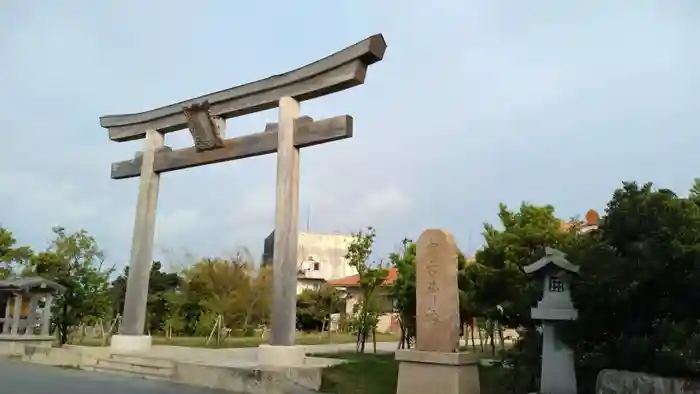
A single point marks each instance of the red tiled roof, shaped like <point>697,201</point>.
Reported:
<point>354,280</point>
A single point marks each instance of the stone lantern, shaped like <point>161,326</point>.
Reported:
<point>558,375</point>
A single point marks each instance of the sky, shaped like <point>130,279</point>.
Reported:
<point>475,103</point>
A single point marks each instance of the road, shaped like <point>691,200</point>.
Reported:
<point>27,378</point>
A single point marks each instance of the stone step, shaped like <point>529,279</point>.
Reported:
<point>137,366</point>
<point>147,361</point>
<point>102,369</point>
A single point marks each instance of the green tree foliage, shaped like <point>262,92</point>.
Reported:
<point>176,316</point>
<point>695,189</point>
<point>230,288</point>
<point>314,308</point>
<point>159,285</point>
<point>75,261</point>
<point>403,291</point>
<point>366,314</point>
<point>11,255</point>
<point>467,307</point>
<point>637,291</point>
<point>500,290</point>
<point>496,289</point>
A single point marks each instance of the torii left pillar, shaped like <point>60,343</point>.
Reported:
<point>131,338</point>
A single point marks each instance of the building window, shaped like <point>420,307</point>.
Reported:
<point>316,286</point>
<point>317,266</point>
<point>556,285</point>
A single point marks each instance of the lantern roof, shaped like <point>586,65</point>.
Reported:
<point>554,257</point>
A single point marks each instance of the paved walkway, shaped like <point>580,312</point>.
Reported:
<point>244,357</point>
<point>26,378</point>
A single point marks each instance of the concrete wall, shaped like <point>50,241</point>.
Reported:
<point>354,294</point>
<point>386,322</point>
<point>304,379</point>
<point>323,255</point>
<point>41,352</point>
<point>308,284</point>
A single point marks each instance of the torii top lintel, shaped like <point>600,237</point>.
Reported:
<point>341,70</point>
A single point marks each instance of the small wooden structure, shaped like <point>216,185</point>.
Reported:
<point>21,298</point>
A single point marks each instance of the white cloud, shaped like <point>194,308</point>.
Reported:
<point>178,223</point>
<point>53,200</point>
<point>381,205</point>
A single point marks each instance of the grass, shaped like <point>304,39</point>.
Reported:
<point>237,342</point>
<point>364,374</point>
<point>494,380</point>
<point>378,373</point>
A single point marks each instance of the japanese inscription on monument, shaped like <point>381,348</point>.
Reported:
<point>437,296</point>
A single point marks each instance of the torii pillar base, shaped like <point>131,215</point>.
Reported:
<point>281,356</point>
<point>127,344</point>
<point>423,372</point>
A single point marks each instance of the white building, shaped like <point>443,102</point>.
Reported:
<point>321,258</point>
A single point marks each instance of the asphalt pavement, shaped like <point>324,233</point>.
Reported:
<point>26,378</point>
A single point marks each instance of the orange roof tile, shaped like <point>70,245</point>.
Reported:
<point>591,221</point>
<point>354,280</point>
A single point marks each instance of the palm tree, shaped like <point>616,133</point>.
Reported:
<point>695,190</point>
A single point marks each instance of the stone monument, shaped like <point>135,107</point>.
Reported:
<point>558,375</point>
<point>205,117</point>
<point>436,365</point>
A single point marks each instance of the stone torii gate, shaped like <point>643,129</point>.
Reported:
<point>205,117</point>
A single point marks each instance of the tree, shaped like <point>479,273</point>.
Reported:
<point>176,318</point>
<point>496,288</point>
<point>230,288</point>
<point>260,301</point>
<point>11,256</point>
<point>75,261</point>
<point>159,284</point>
<point>403,291</point>
<point>637,290</point>
<point>502,291</point>
<point>695,190</point>
<point>471,280</point>
<point>366,311</point>
<point>314,308</point>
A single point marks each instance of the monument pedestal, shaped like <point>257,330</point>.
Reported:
<point>423,372</point>
<point>281,356</point>
<point>130,343</point>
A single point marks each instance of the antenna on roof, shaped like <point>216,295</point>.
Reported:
<point>308,217</point>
